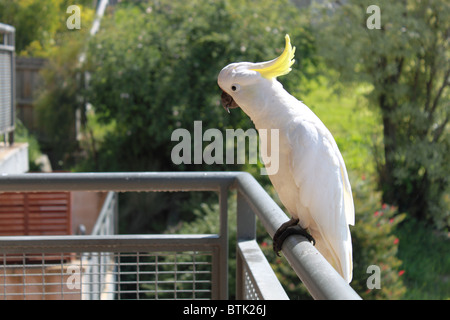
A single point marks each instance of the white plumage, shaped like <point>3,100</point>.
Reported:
<point>312,180</point>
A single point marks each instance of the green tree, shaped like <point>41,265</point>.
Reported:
<point>154,68</point>
<point>407,64</point>
<point>37,23</point>
<point>61,92</point>
<point>58,101</point>
<point>41,31</point>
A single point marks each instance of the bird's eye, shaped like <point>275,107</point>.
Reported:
<point>235,87</point>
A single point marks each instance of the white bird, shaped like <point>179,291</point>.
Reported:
<point>311,181</point>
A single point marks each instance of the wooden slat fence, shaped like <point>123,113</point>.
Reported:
<point>40,213</point>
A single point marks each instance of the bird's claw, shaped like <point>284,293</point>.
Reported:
<point>281,235</point>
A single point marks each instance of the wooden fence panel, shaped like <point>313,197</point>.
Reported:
<point>40,213</point>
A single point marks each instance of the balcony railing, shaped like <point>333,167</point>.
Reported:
<point>7,82</point>
<point>165,266</point>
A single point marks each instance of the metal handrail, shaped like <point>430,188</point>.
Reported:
<point>320,278</point>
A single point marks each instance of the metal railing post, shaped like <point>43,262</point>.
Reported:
<point>223,236</point>
<point>246,230</point>
<point>246,219</point>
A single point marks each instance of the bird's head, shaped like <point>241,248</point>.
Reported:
<point>242,80</point>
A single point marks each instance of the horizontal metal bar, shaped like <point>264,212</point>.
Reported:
<point>117,181</point>
<point>6,48</point>
<point>112,243</point>
<point>6,28</point>
<point>321,279</point>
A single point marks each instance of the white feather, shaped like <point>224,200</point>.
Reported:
<point>313,184</point>
<point>312,180</point>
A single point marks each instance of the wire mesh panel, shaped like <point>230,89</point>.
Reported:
<point>106,276</point>
<point>24,276</point>
<point>7,34</point>
<point>169,275</point>
<point>5,91</point>
<point>250,292</point>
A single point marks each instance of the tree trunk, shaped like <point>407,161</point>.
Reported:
<point>386,174</point>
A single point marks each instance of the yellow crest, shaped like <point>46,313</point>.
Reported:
<point>279,66</point>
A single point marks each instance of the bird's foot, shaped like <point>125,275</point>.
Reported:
<point>287,229</point>
<point>276,238</point>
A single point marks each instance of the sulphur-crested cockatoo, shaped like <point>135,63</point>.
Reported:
<point>311,180</point>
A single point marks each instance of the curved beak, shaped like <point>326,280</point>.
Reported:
<point>228,102</point>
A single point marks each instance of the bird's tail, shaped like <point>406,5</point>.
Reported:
<point>340,256</point>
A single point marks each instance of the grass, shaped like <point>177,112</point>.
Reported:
<point>426,261</point>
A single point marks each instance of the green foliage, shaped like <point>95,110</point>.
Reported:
<point>424,253</point>
<point>206,221</point>
<point>406,63</point>
<point>41,31</point>
<point>375,243</point>
<point>37,23</point>
<point>154,69</point>
<point>59,99</point>
<point>21,134</point>
<point>349,119</point>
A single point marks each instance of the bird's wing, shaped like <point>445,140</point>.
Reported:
<point>348,196</point>
<point>321,177</point>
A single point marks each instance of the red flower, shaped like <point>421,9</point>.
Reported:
<point>376,213</point>
<point>384,206</point>
<point>391,220</point>
<point>396,240</point>
<point>401,272</point>
<point>264,244</point>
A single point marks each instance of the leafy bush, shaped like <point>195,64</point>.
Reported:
<point>375,244</point>
<point>57,102</point>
